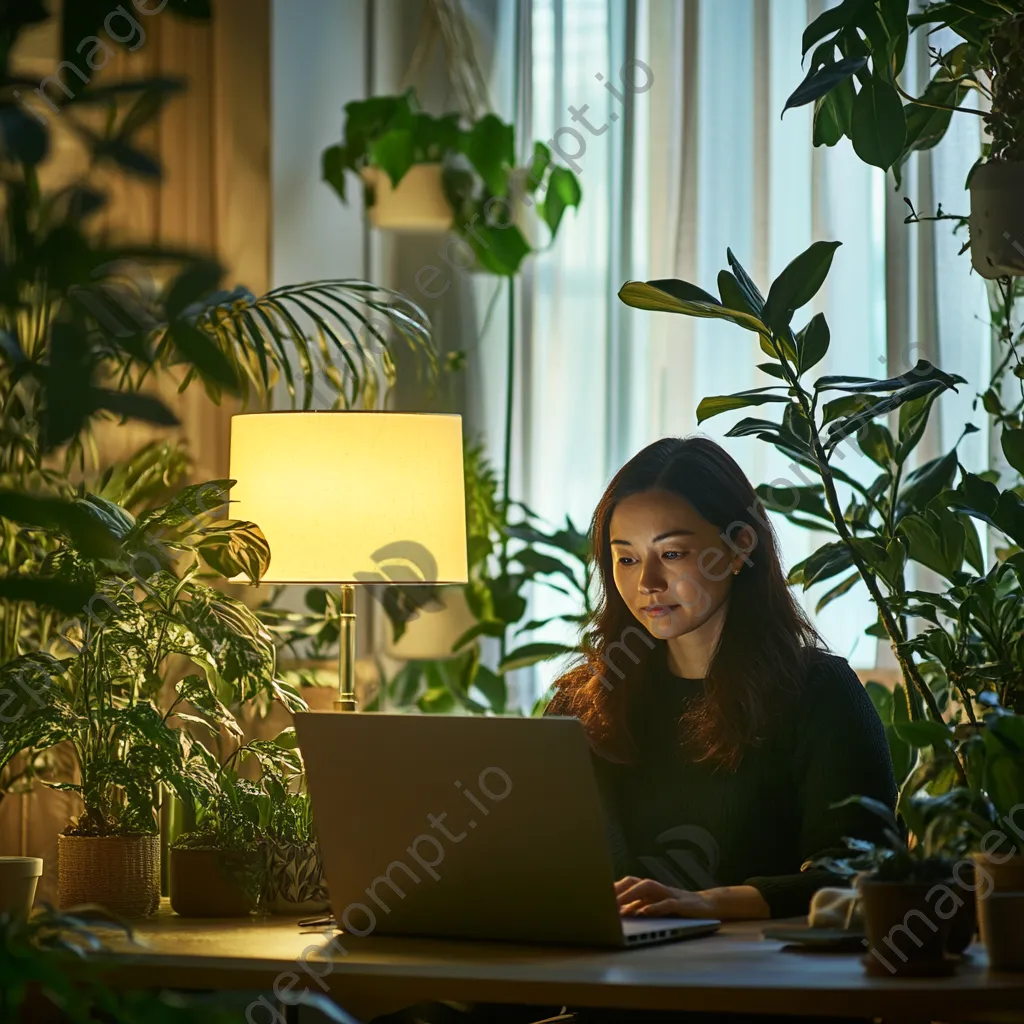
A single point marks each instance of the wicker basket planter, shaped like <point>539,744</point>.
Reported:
<point>295,879</point>
<point>121,873</point>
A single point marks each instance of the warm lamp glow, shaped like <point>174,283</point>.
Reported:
<point>353,497</point>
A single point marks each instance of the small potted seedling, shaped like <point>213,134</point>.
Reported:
<point>916,900</point>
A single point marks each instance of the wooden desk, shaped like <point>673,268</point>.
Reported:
<point>733,971</point>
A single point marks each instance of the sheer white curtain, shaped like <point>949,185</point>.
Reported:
<point>700,162</point>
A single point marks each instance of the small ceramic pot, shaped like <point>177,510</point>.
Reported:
<point>121,873</point>
<point>19,877</point>
<point>906,935</point>
<point>295,879</point>
<point>209,883</point>
<point>1002,929</point>
<point>418,203</point>
<point>997,219</point>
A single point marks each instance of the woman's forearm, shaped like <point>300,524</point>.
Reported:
<point>736,903</point>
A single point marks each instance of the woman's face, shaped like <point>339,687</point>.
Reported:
<point>672,567</point>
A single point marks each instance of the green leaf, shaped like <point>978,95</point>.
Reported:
<point>490,147</point>
<point>540,163</point>
<point>832,115</point>
<point>394,153</point>
<point>563,191</point>
<point>89,528</point>
<point>837,591</point>
<point>717,404</point>
<point>843,428</point>
<point>812,343</point>
<point>754,299</point>
<point>199,693</point>
<point>935,542</point>
<point>823,80</point>
<point>680,297</point>
<point>927,481</point>
<point>832,20</point>
<point>236,548</point>
<point>875,441</point>
<point>1012,442</point>
<point>500,249</point>
<point>878,124</point>
<point>195,282</point>
<point>913,421</point>
<point>531,654</point>
<point>198,350</point>
<point>494,687</point>
<point>924,733</point>
<point>68,597</point>
<point>828,561</point>
<point>798,284</point>
<point>332,169</point>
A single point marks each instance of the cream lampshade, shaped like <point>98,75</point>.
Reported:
<point>353,497</point>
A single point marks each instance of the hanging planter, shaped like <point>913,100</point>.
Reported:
<point>121,873</point>
<point>417,203</point>
<point>997,219</point>
<point>426,173</point>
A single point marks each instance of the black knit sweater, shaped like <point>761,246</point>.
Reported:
<point>695,826</point>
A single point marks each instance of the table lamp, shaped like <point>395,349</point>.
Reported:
<point>353,497</point>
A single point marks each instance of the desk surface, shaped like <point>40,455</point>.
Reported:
<point>733,971</point>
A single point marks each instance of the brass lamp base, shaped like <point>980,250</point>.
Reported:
<point>346,700</point>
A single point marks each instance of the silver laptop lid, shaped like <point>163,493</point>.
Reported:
<point>460,826</point>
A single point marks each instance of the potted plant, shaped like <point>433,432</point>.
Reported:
<point>859,49</point>
<point>426,173</point>
<point>249,841</point>
<point>137,585</point>
<point>916,912</point>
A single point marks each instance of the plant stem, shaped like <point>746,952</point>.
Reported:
<point>510,380</point>
<point>892,628</point>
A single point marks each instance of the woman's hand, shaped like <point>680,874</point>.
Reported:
<point>644,897</point>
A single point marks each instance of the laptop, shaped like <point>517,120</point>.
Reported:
<point>466,827</point>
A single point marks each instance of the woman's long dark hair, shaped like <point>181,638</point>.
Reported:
<point>762,652</point>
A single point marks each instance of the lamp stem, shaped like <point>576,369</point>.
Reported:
<point>347,650</point>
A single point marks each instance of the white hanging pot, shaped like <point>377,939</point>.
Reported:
<point>417,204</point>
<point>430,635</point>
<point>997,219</point>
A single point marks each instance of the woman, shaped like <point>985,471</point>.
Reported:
<point>724,733</point>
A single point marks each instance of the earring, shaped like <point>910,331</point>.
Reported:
<point>736,572</point>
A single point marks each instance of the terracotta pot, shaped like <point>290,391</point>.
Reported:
<point>295,879</point>
<point>998,874</point>
<point>1001,909</point>
<point>1002,928</point>
<point>417,204</point>
<point>206,883</point>
<point>19,877</point>
<point>905,934</point>
<point>121,873</point>
<point>997,219</point>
